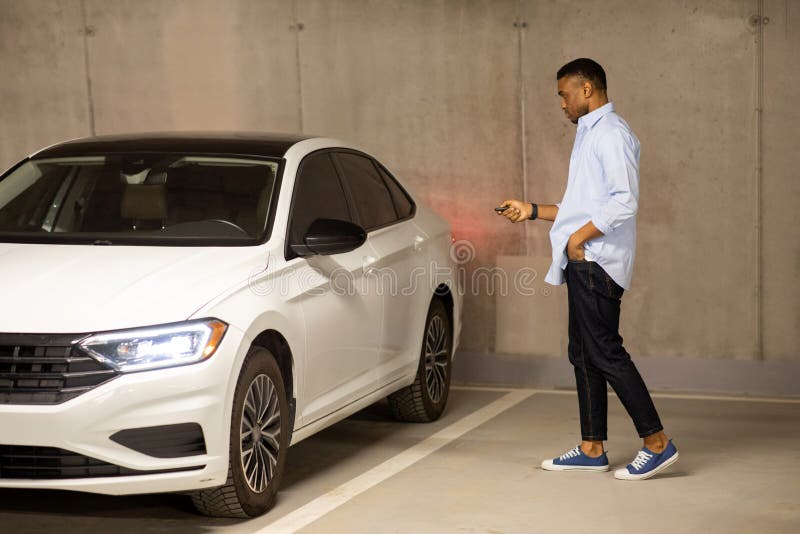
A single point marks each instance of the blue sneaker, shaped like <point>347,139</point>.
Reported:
<point>576,460</point>
<point>648,463</point>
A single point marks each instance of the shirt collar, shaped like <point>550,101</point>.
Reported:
<point>590,119</point>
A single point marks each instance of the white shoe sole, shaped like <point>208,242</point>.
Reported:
<point>548,465</point>
<point>623,474</point>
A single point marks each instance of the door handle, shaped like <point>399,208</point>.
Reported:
<point>418,240</point>
<point>366,264</point>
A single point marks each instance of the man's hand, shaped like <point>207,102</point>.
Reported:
<point>517,210</point>
<point>585,233</point>
<point>575,247</point>
<point>520,211</point>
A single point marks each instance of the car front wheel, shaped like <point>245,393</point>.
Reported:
<point>258,442</point>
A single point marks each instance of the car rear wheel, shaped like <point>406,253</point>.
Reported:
<point>425,399</point>
<point>258,442</point>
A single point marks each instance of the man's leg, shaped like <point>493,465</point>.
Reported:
<point>591,385</point>
<point>599,309</point>
<point>592,396</point>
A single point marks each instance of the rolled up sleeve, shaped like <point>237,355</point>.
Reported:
<point>618,153</point>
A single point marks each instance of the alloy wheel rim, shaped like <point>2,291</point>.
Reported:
<point>436,358</point>
<point>260,433</point>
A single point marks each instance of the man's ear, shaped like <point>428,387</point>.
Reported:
<point>587,89</point>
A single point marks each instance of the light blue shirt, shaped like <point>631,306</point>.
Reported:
<point>603,187</point>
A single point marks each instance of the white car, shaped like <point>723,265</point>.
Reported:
<point>178,309</point>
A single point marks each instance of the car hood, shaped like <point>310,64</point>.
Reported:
<point>46,288</point>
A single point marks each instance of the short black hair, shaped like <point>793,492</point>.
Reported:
<point>587,69</point>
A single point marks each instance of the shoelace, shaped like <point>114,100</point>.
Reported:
<point>641,459</point>
<point>571,454</point>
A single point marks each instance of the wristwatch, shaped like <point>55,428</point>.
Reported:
<point>534,212</point>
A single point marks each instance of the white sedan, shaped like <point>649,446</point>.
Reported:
<point>178,309</point>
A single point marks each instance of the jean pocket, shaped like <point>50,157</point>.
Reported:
<point>614,289</point>
<point>604,284</point>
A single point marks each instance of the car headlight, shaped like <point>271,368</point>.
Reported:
<point>143,349</point>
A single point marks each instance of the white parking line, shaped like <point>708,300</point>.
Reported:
<point>322,505</point>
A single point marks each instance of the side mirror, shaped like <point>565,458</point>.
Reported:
<point>330,236</point>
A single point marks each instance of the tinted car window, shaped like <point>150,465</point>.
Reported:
<point>318,194</point>
<point>372,198</point>
<point>402,202</point>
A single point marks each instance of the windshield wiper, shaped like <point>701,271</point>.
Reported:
<point>104,242</point>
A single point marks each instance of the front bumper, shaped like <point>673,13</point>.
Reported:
<point>200,393</point>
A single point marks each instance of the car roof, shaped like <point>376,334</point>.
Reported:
<point>272,145</point>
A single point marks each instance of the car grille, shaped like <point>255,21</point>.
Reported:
<point>43,463</point>
<point>46,369</point>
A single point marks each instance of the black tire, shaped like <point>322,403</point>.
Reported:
<point>244,496</point>
<point>424,401</point>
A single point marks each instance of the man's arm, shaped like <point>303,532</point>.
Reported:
<point>547,212</point>
<point>618,153</point>
<point>520,211</point>
<point>585,233</point>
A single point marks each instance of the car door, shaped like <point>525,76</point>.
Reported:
<point>399,269</point>
<point>342,315</point>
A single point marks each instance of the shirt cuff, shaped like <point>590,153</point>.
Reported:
<point>602,225</point>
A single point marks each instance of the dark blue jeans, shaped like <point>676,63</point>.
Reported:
<point>596,352</point>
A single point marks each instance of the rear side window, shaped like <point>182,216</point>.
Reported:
<point>318,194</point>
<point>372,198</point>
<point>402,202</point>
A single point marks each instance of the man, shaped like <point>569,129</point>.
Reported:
<point>594,242</point>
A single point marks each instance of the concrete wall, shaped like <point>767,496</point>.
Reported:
<point>682,75</point>
<point>43,95</point>
<point>780,256</point>
<point>458,97</point>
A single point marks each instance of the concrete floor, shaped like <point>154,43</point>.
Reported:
<point>739,472</point>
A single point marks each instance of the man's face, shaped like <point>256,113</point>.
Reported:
<point>573,97</point>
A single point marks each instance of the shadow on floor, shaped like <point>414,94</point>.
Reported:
<point>336,444</point>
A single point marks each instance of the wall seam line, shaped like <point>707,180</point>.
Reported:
<point>759,355</point>
<point>298,27</point>
<point>522,117</point>
<point>86,63</point>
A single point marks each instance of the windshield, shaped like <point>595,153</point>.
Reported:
<point>137,199</point>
